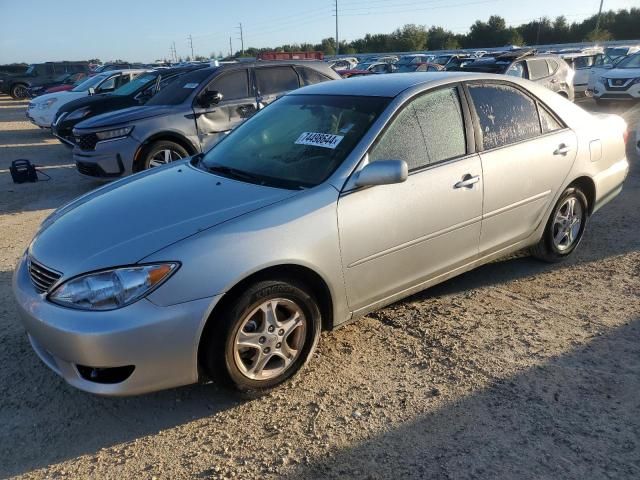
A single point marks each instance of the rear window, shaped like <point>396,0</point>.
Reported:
<point>276,80</point>
<point>538,69</point>
<point>180,89</point>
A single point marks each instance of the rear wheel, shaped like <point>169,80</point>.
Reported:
<point>19,91</point>
<point>162,152</point>
<point>565,227</point>
<point>263,337</point>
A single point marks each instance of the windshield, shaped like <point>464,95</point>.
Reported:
<point>296,142</point>
<point>617,52</point>
<point>363,66</point>
<point>90,82</point>
<point>406,67</point>
<point>442,59</point>
<point>630,62</point>
<point>30,70</point>
<point>181,88</point>
<point>135,84</point>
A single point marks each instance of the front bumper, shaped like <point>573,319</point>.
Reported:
<point>161,343</point>
<point>601,91</point>
<point>110,159</point>
<point>41,118</point>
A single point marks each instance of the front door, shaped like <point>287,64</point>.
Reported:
<point>273,82</point>
<point>236,106</point>
<point>394,237</point>
<point>527,154</point>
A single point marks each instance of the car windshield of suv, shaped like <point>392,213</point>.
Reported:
<point>630,62</point>
<point>179,90</point>
<point>90,82</point>
<point>136,83</point>
<point>31,70</point>
<point>442,59</point>
<point>363,66</point>
<point>296,142</point>
<point>617,52</point>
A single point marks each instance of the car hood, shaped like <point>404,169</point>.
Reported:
<point>622,73</point>
<point>96,100</point>
<point>63,97</point>
<point>126,221</point>
<point>125,116</point>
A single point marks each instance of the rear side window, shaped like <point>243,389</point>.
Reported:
<point>428,130</point>
<point>276,80</point>
<point>232,85</point>
<point>548,121</point>
<point>538,69</point>
<point>553,65</point>
<point>506,115</point>
<point>309,76</point>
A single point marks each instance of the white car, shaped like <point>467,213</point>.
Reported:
<point>344,63</point>
<point>42,110</point>
<point>619,82</point>
<point>581,62</point>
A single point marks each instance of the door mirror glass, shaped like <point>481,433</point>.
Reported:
<point>383,172</point>
<point>210,98</point>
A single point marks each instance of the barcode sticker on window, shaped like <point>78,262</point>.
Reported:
<point>325,140</point>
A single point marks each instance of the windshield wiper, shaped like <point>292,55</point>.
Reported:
<point>234,173</point>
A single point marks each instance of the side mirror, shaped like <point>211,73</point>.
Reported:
<point>210,98</point>
<point>382,172</point>
<point>92,91</point>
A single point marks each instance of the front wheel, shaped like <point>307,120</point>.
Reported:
<point>565,227</point>
<point>263,337</point>
<point>162,152</point>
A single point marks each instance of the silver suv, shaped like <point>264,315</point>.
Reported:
<point>187,117</point>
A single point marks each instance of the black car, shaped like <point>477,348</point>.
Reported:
<point>132,94</point>
<point>69,79</point>
<point>13,69</point>
<point>38,74</point>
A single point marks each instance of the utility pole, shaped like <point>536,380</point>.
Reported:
<point>337,37</point>
<point>230,48</point>
<point>599,13</point>
<point>538,34</point>
<point>191,44</point>
<point>241,39</point>
<point>175,54</point>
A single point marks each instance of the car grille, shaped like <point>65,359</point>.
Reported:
<point>618,84</point>
<point>87,142</point>
<point>43,278</point>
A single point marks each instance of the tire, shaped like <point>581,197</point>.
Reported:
<point>156,152</point>
<point>230,363</point>
<point>549,249</point>
<point>19,91</point>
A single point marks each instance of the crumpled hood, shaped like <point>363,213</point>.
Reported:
<point>127,115</point>
<point>124,222</point>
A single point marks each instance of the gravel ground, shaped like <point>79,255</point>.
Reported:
<point>515,370</point>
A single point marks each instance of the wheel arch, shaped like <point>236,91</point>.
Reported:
<point>306,275</point>
<point>176,137</point>
<point>588,187</point>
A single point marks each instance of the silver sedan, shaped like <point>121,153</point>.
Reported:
<point>336,200</point>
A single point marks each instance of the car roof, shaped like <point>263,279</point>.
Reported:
<point>386,85</point>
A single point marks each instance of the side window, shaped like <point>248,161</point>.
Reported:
<point>108,84</point>
<point>232,85</point>
<point>122,79</point>
<point>538,69</point>
<point>506,115</point>
<point>517,70</point>
<point>553,66</point>
<point>548,121</point>
<point>428,130</point>
<point>50,70</point>
<point>309,76</point>
<point>440,118</point>
<point>274,80</point>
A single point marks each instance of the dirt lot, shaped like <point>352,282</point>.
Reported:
<point>515,370</point>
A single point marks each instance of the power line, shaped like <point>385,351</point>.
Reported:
<point>337,40</point>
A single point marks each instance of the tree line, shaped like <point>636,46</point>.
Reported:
<point>614,25</point>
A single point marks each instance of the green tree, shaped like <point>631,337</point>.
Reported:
<point>409,38</point>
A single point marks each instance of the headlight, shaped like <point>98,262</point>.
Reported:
<point>111,289</point>
<point>80,113</point>
<point>115,133</point>
<point>47,104</point>
<point>603,80</point>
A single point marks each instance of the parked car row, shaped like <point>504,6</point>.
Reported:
<point>335,200</point>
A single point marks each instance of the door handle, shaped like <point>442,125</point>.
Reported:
<point>467,181</point>
<point>562,149</point>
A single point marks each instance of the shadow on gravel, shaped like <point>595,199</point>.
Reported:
<point>575,416</point>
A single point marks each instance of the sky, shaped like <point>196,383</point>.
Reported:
<point>144,30</point>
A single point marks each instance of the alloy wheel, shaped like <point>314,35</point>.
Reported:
<point>567,223</point>
<point>162,157</point>
<point>270,339</point>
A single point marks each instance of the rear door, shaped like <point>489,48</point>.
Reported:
<point>236,106</point>
<point>273,82</point>
<point>394,237</point>
<point>526,154</point>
